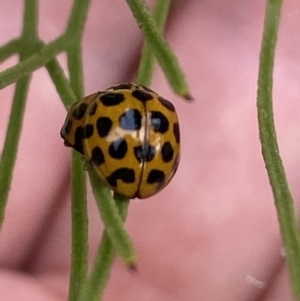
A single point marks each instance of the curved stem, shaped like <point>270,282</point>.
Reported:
<point>146,66</point>
<point>270,150</point>
<point>12,138</point>
<point>160,48</point>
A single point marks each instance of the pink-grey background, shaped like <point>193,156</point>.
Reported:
<point>212,234</point>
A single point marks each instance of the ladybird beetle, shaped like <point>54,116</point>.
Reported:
<point>130,135</point>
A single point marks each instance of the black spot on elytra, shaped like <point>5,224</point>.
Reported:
<point>125,174</point>
<point>88,131</point>
<point>97,156</point>
<point>66,129</point>
<point>167,152</point>
<point>159,122</point>
<point>112,99</point>
<point>141,95</point>
<point>131,120</point>
<point>103,125</point>
<point>176,132</point>
<point>118,149</point>
<point>156,176</point>
<point>79,111</point>
<point>78,140</point>
<point>144,153</point>
<point>167,104</point>
<point>93,108</point>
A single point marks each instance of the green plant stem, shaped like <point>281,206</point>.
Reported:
<point>79,258</point>
<point>77,19</point>
<point>113,223</point>
<point>270,150</point>
<point>74,52</point>
<point>9,49</point>
<point>30,20</point>
<point>75,69</point>
<point>79,202</point>
<point>160,48</point>
<point>94,288</point>
<point>11,144</point>
<point>61,83</point>
<point>146,66</point>
<point>12,139</point>
<point>33,62</point>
